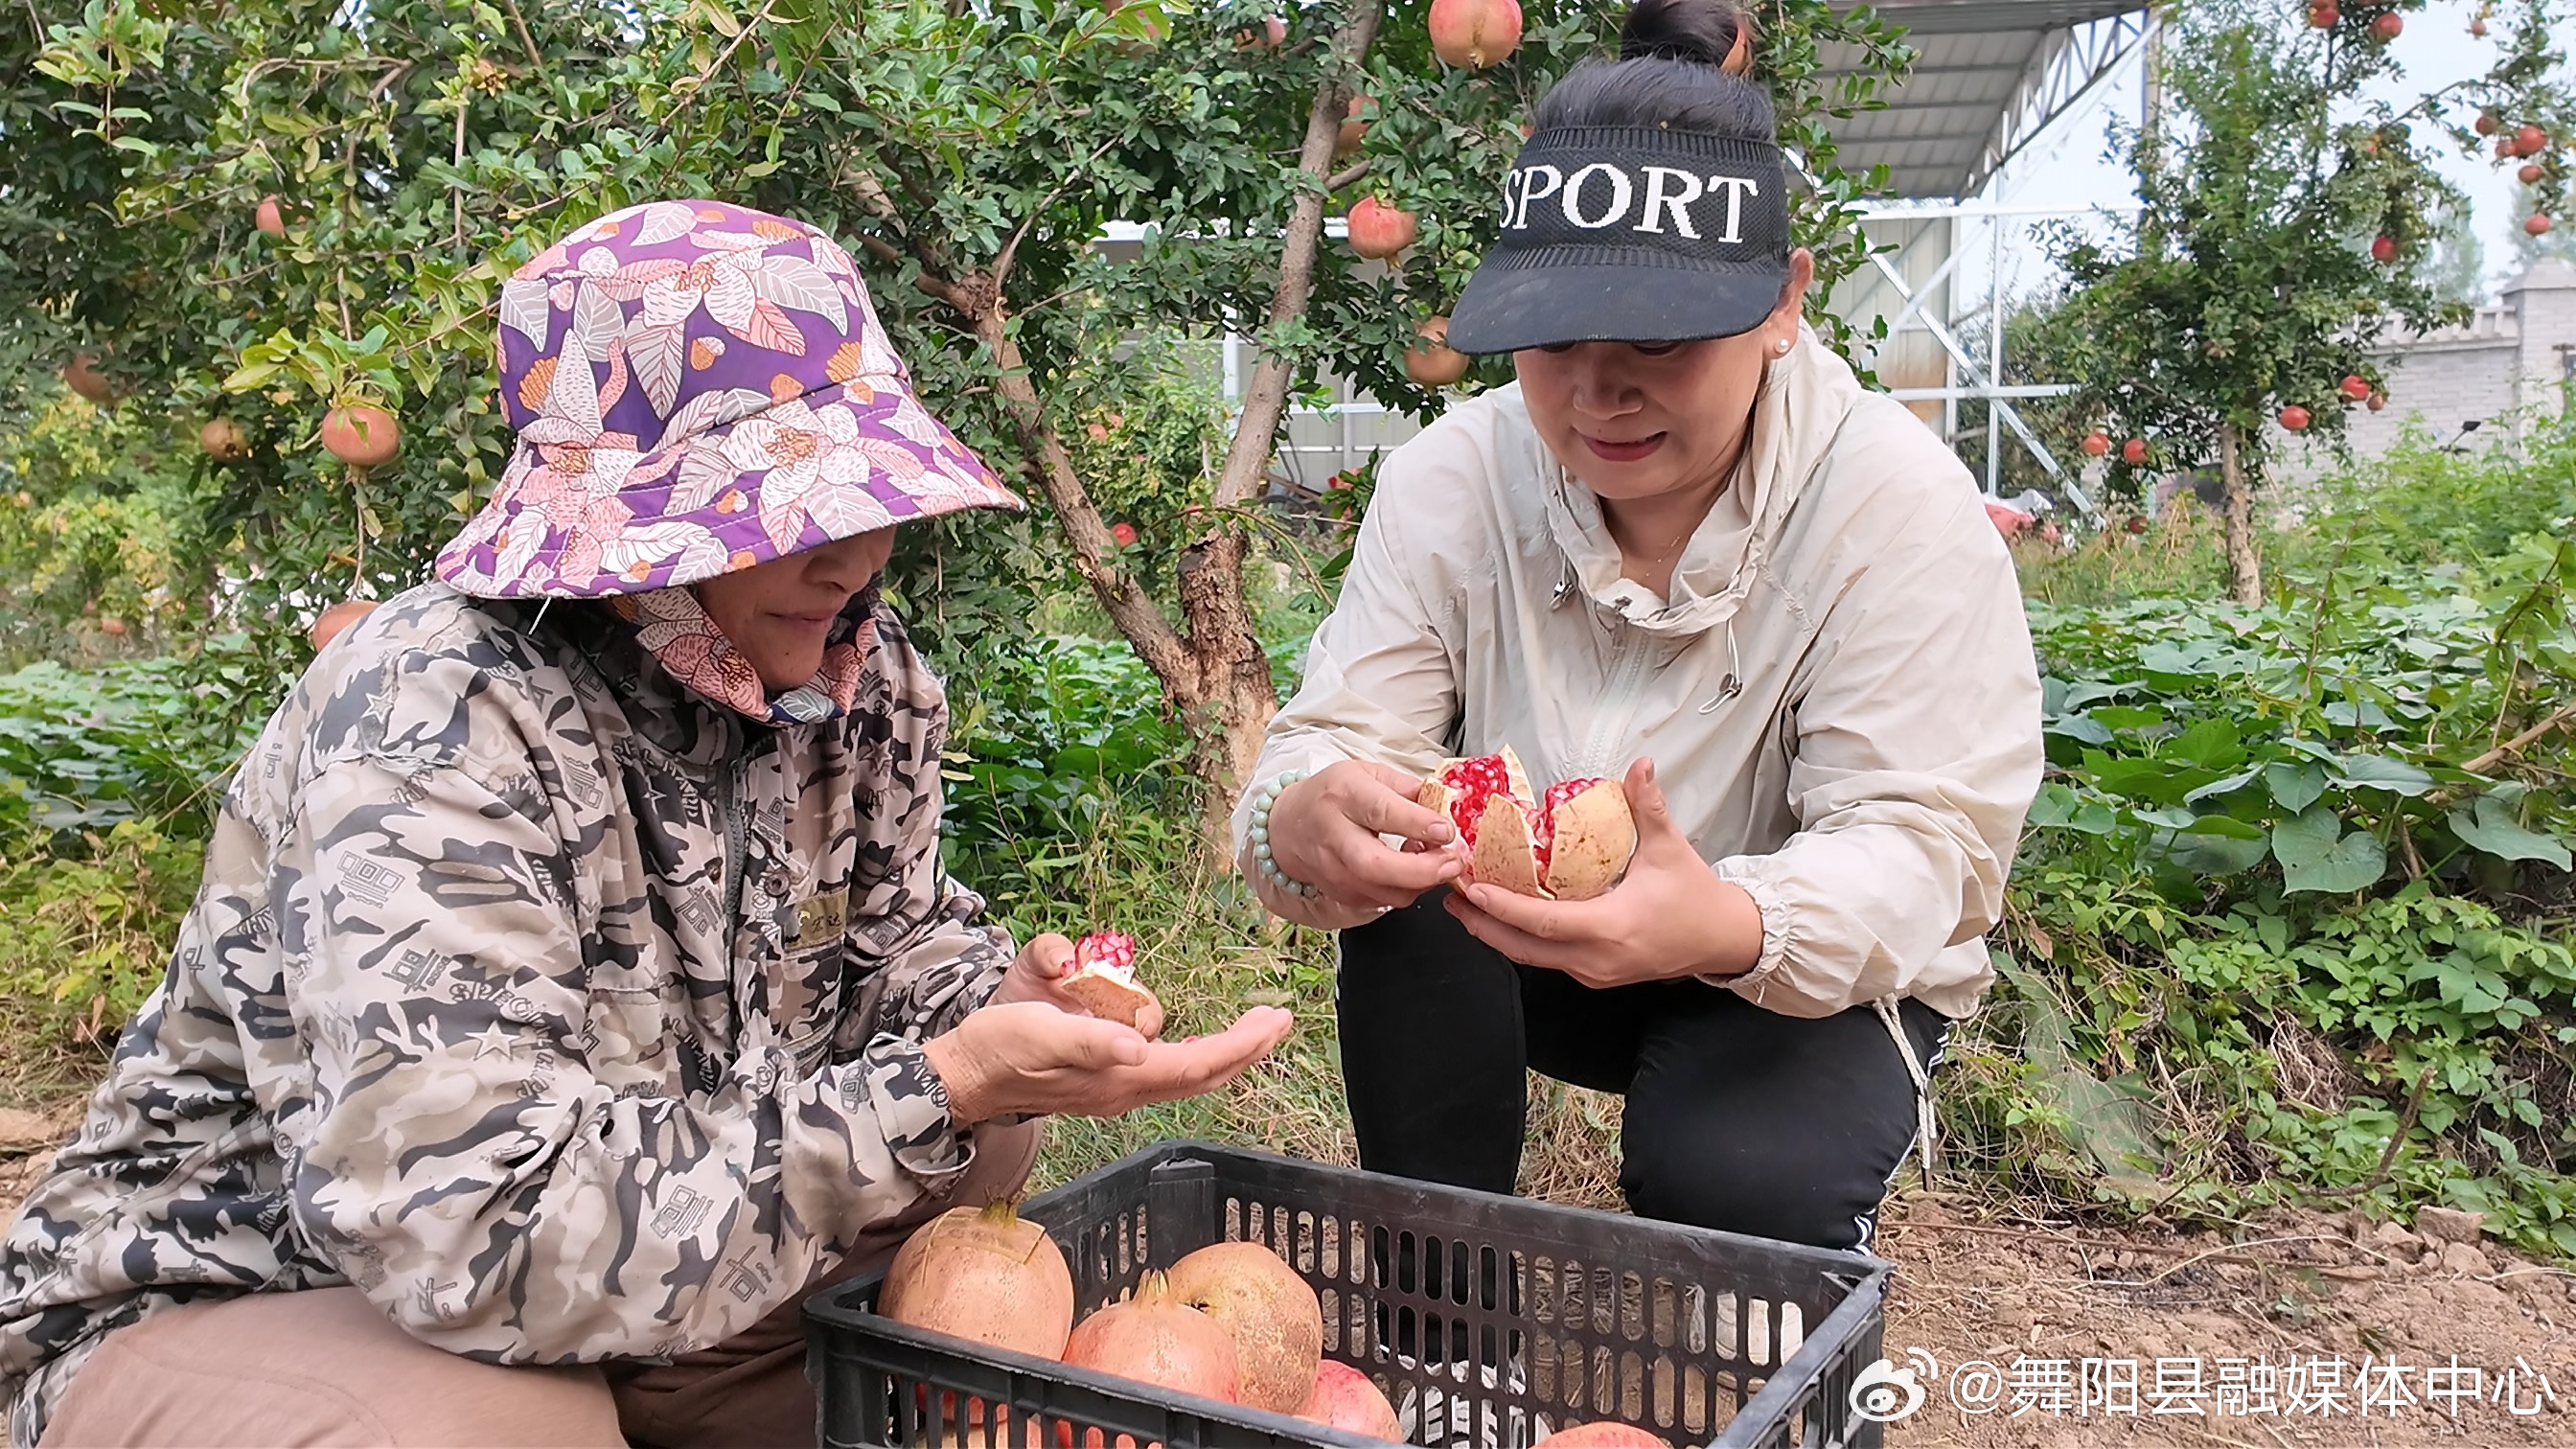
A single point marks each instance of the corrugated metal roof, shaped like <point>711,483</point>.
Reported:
<point>1976,56</point>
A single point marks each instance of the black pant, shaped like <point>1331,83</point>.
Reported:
<point>1737,1118</point>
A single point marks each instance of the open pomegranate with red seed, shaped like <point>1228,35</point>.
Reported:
<point>1570,843</point>
<point>1104,977</point>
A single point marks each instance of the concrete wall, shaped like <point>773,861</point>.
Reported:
<point>2505,366</point>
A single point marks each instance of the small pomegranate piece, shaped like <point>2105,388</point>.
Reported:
<point>1104,978</point>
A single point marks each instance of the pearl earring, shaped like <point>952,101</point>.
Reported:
<point>1780,346</point>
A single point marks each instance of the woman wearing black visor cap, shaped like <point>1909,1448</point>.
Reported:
<point>1686,549</point>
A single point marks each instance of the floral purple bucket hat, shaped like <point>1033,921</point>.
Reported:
<point>698,387</point>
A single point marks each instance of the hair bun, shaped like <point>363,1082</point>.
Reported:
<point>1701,31</point>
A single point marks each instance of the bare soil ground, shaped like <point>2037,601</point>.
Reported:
<point>2025,1297</point>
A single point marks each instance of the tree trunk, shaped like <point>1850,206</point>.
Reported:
<point>1212,669</point>
<point>2244,563</point>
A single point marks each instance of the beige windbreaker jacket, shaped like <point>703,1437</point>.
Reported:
<point>1840,697</point>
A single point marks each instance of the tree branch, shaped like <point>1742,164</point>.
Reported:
<point>2480,765</point>
<point>1348,174</point>
<point>1265,398</point>
<point>1135,612</point>
<point>1010,249</point>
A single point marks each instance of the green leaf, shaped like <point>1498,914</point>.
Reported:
<point>2317,855</point>
<point>2294,787</point>
<point>2379,772</point>
<point>2488,824</point>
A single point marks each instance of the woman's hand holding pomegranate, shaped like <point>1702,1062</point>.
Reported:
<point>1671,917</point>
<point>1038,973</point>
<point>1032,1058</point>
<point>1325,831</point>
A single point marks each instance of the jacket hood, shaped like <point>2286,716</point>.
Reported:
<point>1806,396</point>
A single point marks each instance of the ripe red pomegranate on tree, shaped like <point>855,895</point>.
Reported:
<point>1124,532</point>
<point>223,440</point>
<point>2388,26</point>
<point>270,216</point>
<point>1739,52</point>
<point>1434,363</point>
<point>2486,123</point>
<point>2537,223</point>
<point>2478,27</point>
<point>2529,140</point>
<point>361,435</point>
<point>2294,417</point>
<point>1571,843</point>
<point>1355,119</point>
<point>2096,443</point>
<point>2377,401</point>
<point>2134,451</point>
<point>1380,230</point>
<point>2354,386</point>
<point>1345,1398</point>
<point>1475,33</point>
<point>2324,17</point>
<point>82,376</point>
<point>1274,1320</point>
<point>2530,173</point>
<point>335,620</point>
<point>2383,249</point>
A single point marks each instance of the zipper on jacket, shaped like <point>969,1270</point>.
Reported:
<point>737,829</point>
<point>1619,701</point>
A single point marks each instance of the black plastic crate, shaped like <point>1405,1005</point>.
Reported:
<point>1488,1320</point>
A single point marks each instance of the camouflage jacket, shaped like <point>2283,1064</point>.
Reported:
<point>569,1016</point>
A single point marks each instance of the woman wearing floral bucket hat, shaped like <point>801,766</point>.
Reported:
<point>574,986</point>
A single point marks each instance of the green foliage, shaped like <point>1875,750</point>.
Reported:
<point>94,556</point>
<point>82,752</point>
<point>2271,940</point>
<point>89,932</point>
